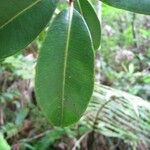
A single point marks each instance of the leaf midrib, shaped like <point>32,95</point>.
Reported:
<point>20,13</point>
<point>80,8</point>
<point>70,13</point>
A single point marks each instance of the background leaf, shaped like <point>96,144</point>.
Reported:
<point>22,22</point>
<point>3,143</point>
<point>137,6</point>
<point>112,113</point>
<point>86,9</point>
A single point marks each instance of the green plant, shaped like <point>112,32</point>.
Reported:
<point>3,143</point>
<point>65,69</point>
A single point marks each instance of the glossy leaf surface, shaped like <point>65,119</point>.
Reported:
<point>65,68</point>
<point>137,6</point>
<point>87,11</point>
<point>21,22</point>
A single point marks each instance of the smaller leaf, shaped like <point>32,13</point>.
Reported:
<point>146,79</point>
<point>21,115</point>
<point>3,143</point>
<point>137,6</point>
<point>87,11</point>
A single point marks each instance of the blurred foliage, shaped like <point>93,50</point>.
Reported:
<point>125,61</point>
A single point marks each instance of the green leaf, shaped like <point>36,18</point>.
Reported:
<point>146,79</point>
<point>21,22</point>
<point>65,69</point>
<point>137,6</point>
<point>3,143</point>
<point>87,11</point>
<point>21,115</point>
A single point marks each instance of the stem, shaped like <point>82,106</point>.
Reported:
<point>71,1</point>
<point>77,143</point>
<point>134,30</point>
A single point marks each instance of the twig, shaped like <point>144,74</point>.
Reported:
<point>99,111</point>
<point>77,143</point>
<point>35,137</point>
